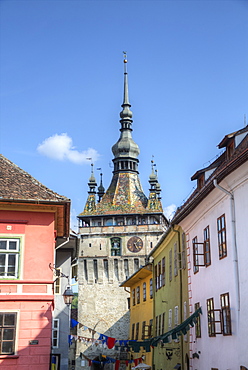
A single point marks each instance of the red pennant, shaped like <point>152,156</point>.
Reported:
<point>117,364</point>
<point>90,362</point>
<point>126,362</point>
<point>110,342</point>
<point>136,361</point>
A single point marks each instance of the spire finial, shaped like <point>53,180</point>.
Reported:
<point>125,61</point>
<point>126,113</point>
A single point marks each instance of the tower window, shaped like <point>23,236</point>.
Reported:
<point>106,270</point>
<point>136,264</point>
<point>95,270</point>
<point>115,246</point>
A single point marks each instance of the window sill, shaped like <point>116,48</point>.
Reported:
<point>8,356</point>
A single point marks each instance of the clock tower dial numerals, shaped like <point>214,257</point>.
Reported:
<point>134,244</point>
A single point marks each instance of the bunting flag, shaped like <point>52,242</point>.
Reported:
<point>109,360</point>
<point>117,364</point>
<point>134,344</point>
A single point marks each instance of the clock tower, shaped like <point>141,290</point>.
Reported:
<point>118,229</point>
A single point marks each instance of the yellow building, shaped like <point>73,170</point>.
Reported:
<point>140,286</point>
<point>170,302</point>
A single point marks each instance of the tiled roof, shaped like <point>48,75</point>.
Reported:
<point>224,167</point>
<point>124,196</point>
<point>16,184</point>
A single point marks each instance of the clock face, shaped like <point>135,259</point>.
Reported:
<point>135,244</point>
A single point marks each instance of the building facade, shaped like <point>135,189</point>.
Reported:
<point>140,286</point>
<point>31,217</point>
<point>171,349</point>
<point>214,220</point>
<point>117,232</point>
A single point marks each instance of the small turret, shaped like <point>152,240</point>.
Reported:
<point>155,190</point>
<point>101,189</point>
<point>91,200</point>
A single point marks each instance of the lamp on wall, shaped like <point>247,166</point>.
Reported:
<point>68,296</point>
<point>68,293</point>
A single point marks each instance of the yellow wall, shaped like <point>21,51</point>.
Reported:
<point>140,312</point>
<point>173,294</point>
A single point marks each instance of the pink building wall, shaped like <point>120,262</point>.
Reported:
<point>30,295</point>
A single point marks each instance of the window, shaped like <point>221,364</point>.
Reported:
<point>198,322</point>
<point>159,275</point>
<point>159,324</point>
<point>221,228</point>
<point>133,328</point>
<point>115,246</point>
<point>170,265</point>
<point>151,288</point>
<point>176,316</point>
<point>137,331</point>
<point>57,283</point>
<point>138,294</point>
<point>170,323</point>
<point>143,330</point>
<point>211,317</point>
<point>126,268</point>
<point>9,257</point>
<point>7,333</point>
<point>106,268</point>
<point>157,329</point>
<point>144,291</point>
<point>133,297</point>
<point>195,255</point>
<point>226,315</point>
<point>162,325</point>
<point>116,268</point>
<point>95,270</point>
<point>163,272</point>
<point>184,318</point>
<point>156,276</point>
<point>150,328</point>
<point>175,260</point>
<point>183,263</point>
<point>207,256</point>
<point>55,333</point>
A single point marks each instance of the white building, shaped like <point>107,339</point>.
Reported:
<point>215,223</point>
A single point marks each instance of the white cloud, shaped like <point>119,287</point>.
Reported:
<point>60,147</point>
<point>169,211</point>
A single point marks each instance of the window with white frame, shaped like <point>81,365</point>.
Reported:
<point>57,283</point>
<point>175,260</point>
<point>184,318</point>
<point>55,333</point>
<point>176,320</point>
<point>151,288</point>
<point>183,258</point>
<point>9,257</point>
<point>170,265</point>
<point>170,323</point>
<point>7,332</point>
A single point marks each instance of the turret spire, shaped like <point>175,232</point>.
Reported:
<point>126,113</point>
<point>125,150</point>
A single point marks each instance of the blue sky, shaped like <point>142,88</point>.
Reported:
<point>61,86</point>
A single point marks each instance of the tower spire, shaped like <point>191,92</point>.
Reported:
<point>126,113</point>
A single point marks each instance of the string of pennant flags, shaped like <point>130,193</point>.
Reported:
<point>103,340</point>
<point>109,342</point>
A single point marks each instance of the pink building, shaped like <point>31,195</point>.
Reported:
<point>31,217</point>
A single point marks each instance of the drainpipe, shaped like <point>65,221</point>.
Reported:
<point>234,242</point>
<point>181,294</point>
